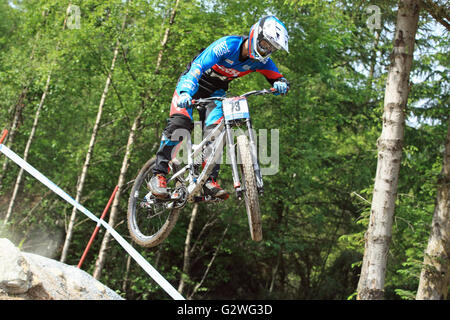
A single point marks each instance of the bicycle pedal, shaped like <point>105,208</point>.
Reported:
<point>175,196</point>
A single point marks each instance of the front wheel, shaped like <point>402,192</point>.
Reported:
<point>250,190</point>
<point>149,220</point>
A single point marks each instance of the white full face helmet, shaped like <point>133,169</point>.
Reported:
<point>266,36</point>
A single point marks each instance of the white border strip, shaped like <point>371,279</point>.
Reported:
<point>128,248</point>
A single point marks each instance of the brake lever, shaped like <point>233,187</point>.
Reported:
<point>206,100</point>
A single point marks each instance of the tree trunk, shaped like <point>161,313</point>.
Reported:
<point>125,163</point>
<point>27,150</point>
<point>187,250</point>
<point>435,275</point>
<point>373,59</point>
<point>127,273</point>
<point>89,153</point>
<point>275,269</point>
<point>390,143</point>
<point>198,285</point>
<point>20,105</point>
<point>115,207</point>
<point>166,36</point>
<point>17,109</point>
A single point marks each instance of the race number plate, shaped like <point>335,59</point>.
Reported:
<point>235,108</point>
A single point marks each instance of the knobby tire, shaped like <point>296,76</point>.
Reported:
<point>137,192</point>
<point>250,191</point>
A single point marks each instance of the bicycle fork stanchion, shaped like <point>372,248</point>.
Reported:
<point>253,151</point>
<point>234,169</point>
<point>97,228</point>
<point>144,264</point>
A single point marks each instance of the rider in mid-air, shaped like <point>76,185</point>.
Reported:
<point>208,75</point>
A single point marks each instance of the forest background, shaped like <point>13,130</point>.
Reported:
<point>113,72</point>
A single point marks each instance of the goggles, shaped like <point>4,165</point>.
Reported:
<point>265,48</point>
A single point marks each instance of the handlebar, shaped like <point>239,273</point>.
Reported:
<point>201,101</point>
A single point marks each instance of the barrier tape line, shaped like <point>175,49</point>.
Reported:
<point>152,272</point>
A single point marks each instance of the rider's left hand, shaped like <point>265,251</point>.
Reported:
<point>281,87</point>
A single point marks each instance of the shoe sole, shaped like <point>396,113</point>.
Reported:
<point>224,196</point>
<point>159,195</point>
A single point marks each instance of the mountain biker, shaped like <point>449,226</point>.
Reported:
<point>208,75</point>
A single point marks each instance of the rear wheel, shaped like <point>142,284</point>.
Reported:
<point>250,190</point>
<point>150,220</point>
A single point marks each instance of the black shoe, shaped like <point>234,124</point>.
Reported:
<point>212,188</point>
<point>158,186</point>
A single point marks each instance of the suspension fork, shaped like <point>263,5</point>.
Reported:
<point>232,155</point>
<point>254,154</point>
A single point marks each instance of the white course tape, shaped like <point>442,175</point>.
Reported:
<point>128,248</point>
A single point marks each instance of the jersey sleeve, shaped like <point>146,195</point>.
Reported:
<point>212,55</point>
<point>270,71</point>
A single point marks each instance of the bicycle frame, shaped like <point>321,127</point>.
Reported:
<point>195,184</point>
<point>221,133</point>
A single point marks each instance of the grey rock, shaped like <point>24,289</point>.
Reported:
<point>34,277</point>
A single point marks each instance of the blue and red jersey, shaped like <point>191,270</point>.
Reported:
<point>219,64</point>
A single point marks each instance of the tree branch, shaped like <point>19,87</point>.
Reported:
<point>437,12</point>
<point>209,264</point>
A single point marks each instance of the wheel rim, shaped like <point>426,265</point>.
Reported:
<point>149,223</point>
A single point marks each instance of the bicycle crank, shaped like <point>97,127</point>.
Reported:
<point>178,198</point>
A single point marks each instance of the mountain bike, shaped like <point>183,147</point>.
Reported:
<point>151,219</point>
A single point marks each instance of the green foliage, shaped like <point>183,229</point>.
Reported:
<point>315,209</point>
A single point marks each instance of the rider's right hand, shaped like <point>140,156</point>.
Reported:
<point>184,100</point>
<point>281,87</point>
